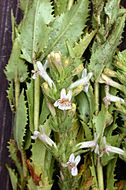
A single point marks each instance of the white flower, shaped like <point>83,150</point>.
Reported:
<point>64,102</point>
<point>42,72</point>
<point>113,149</point>
<point>90,144</point>
<point>43,137</point>
<point>84,81</point>
<point>110,98</point>
<point>72,164</point>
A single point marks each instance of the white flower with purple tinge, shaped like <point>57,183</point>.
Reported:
<point>113,149</point>
<point>72,164</point>
<point>64,102</point>
<point>90,144</point>
<point>43,137</point>
<point>110,98</point>
<point>42,72</point>
<point>84,81</point>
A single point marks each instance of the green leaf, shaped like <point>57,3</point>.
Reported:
<point>83,43</point>
<point>13,23</point>
<point>60,6</point>
<point>13,150</point>
<point>10,95</point>
<point>35,30</point>
<point>87,131</point>
<point>83,106</point>
<point>30,98</point>
<point>13,177</point>
<point>16,67</point>
<point>103,55</point>
<point>110,174</point>
<point>38,148</point>
<point>44,113</point>
<point>20,122</point>
<point>71,22</point>
<point>24,4</point>
<point>112,9</point>
<point>100,121</point>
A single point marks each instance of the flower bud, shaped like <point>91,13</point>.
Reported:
<point>55,59</point>
<point>73,109</point>
<point>109,72</point>
<point>77,70</point>
<point>45,88</point>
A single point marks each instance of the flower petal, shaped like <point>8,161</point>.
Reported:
<point>34,76</point>
<point>56,104</point>
<point>115,150</point>
<point>39,65</point>
<point>69,95</point>
<point>87,144</point>
<point>74,171</point>
<point>63,94</point>
<point>77,159</point>
<point>84,73</point>
<point>71,158</point>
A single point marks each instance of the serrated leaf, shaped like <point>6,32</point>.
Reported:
<point>83,106</point>
<point>83,43</point>
<point>30,98</point>
<point>35,30</point>
<point>31,186</point>
<point>104,53</point>
<point>38,148</point>
<point>16,66</point>
<point>71,22</point>
<point>13,150</point>
<point>44,113</point>
<point>60,6</point>
<point>13,177</point>
<point>110,174</point>
<point>20,122</point>
<point>10,95</point>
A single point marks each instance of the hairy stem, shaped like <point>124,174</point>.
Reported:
<point>96,97</point>
<point>17,91</point>
<point>100,175</point>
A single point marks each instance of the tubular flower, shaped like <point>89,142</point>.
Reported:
<point>113,149</point>
<point>90,144</point>
<point>84,81</point>
<point>42,72</point>
<point>43,137</point>
<point>110,98</point>
<point>64,102</point>
<point>72,164</point>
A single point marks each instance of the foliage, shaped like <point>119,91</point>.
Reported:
<point>76,95</point>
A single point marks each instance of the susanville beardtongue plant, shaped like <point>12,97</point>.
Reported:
<point>67,100</point>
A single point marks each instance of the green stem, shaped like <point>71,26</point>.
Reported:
<point>25,171</point>
<point>37,80</point>
<point>17,91</point>
<point>100,174</point>
<point>36,103</point>
<point>70,3</point>
<point>96,98</point>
